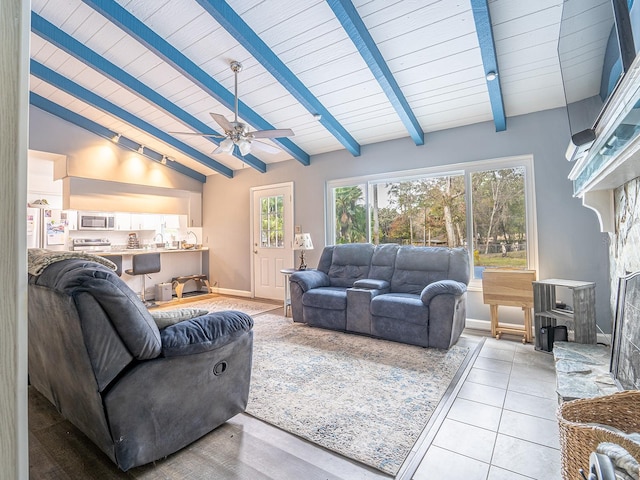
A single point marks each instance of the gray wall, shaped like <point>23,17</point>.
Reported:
<point>569,241</point>
<point>86,157</point>
<point>570,244</point>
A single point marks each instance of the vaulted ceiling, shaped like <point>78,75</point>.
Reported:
<point>340,73</point>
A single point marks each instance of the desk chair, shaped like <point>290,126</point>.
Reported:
<point>144,264</point>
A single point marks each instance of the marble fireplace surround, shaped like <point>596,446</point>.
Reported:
<point>583,371</point>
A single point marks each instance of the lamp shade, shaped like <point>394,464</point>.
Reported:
<point>302,241</point>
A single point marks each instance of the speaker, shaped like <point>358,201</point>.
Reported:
<point>583,137</point>
<point>546,339</point>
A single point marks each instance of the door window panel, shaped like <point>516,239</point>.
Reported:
<point>272,222</point>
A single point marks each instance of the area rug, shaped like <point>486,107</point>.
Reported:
<point>216,304</point>
<point>365,398</point>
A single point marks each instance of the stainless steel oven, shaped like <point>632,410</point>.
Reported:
<point>96,221</point>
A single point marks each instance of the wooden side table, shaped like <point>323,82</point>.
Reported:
<point>287,272</point>
<point>510,288</point>
<point>582,317</point>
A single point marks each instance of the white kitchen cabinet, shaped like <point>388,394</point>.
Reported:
<point>146,221</point>
<point>172,222</point>
<point>195,209</point>
<point>122,221</point>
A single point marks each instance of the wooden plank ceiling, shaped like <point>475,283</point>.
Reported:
<point>145,69</point>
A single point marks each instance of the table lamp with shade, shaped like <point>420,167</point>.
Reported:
<point>302,242</point>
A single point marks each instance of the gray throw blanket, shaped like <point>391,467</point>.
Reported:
<point>40,258</point>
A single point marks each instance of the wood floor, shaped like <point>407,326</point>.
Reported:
<point>242,448</point>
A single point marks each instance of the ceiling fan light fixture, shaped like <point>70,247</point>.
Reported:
<point>226,146</point>
<point>244,146</point>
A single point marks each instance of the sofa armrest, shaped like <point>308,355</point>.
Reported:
<point>442,287</point>
<point>201,334</point>
<point>371,284</point>
<point>308,279</point>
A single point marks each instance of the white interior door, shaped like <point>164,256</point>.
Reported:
<point>272,246</point>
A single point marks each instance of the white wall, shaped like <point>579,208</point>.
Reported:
<point>570,243</point>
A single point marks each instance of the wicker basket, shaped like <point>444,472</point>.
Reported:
<point>580,433</point>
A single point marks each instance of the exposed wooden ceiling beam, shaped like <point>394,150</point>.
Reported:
<point>484,30</point>
<point>250,41</point>
<point>154,42</point>
<point>94,127</point>
<point>62,40</point>
<point>53,78</point>
<point>360,36</point>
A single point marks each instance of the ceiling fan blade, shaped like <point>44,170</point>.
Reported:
<point>195,134</point>
<point>265,147</point>
<point>282,132</point>
<point>222,121</point>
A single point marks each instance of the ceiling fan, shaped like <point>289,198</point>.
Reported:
<point>237,133</point>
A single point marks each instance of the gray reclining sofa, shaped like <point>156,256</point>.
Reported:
<point>139,393</point>
<point>408,294</point>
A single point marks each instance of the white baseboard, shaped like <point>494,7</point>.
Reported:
<point>485,325</point>
<point>229,291</point>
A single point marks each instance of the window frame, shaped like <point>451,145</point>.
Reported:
<point>466,169</point>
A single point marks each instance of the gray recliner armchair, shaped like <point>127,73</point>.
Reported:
<point>139,393</point>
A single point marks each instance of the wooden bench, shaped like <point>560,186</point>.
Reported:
<point>178,283</point>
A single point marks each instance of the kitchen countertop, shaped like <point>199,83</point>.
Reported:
<point>137,251</point>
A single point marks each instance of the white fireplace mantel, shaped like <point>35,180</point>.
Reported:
<point>614,157</point>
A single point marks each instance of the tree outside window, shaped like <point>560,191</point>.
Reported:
<point>491,220</point>
<point>272,222</point>
<point>429,211</point>
<point>351,215</point>
<point>499,219</point>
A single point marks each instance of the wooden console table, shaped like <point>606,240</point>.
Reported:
<point>510,288</point>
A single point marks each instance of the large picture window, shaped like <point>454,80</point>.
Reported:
<point>487,207</point>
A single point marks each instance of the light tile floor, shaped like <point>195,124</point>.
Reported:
<point>502,424</point>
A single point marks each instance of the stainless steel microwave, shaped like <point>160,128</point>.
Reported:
<point>96,221</point>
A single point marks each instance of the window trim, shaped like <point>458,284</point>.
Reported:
<point>464,168</point>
